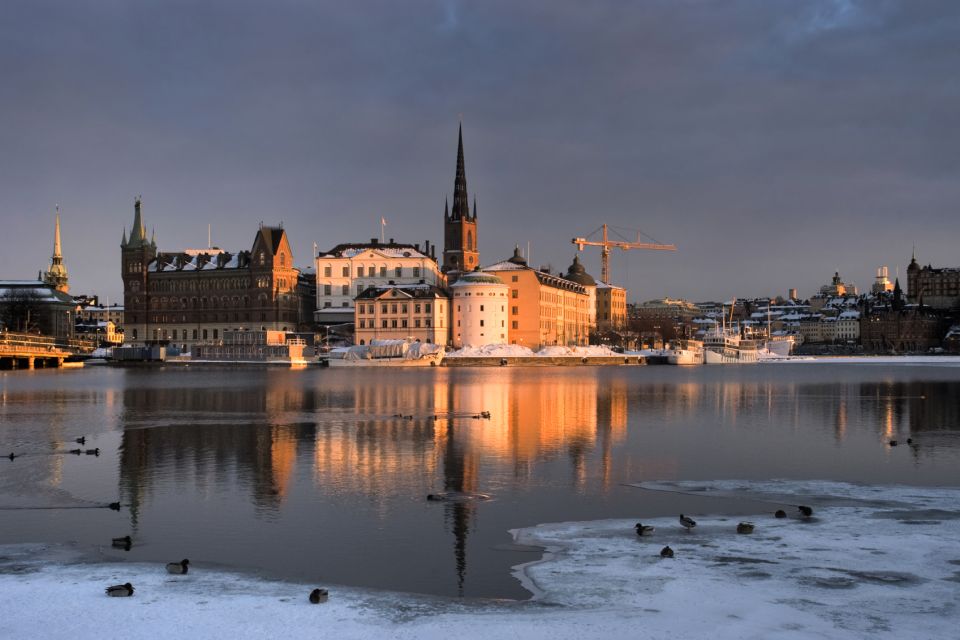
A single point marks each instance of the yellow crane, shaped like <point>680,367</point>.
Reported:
<point>606,244</point>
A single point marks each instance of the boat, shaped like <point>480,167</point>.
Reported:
<point>725,345</point>
<point>387,353</point>
<point>780,343</point>
<point>687,352</point>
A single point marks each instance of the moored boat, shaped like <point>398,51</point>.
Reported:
<point>687,352</point>
<point>388,353</point>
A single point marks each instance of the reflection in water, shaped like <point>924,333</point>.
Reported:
<point>294,458</point>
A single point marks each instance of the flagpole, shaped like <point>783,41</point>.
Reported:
<point>383,223</point>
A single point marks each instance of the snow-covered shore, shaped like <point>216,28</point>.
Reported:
<point>874,562</point>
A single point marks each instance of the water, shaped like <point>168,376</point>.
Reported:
<point>307,475</point>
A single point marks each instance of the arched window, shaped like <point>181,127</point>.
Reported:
<point>470,240</point>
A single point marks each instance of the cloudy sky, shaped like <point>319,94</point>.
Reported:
<point>774,141</point>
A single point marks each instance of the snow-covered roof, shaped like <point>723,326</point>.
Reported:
<point>849,315</point>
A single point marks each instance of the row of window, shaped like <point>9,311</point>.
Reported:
<point>394,307</point>
<point>392,324</point>
<point>371,271</point>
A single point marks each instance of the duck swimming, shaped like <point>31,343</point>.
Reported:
<point>644,529</point>
<point>120,590</point>
<point>122,543</point>
<point>687,522</point>
<point>81,440</point>
<point>805,511</point>
<point>780,514</point>
<point>178,568</point>
<point>666,552</point>
<point>319,595</point>
<point>745,527</point>
<point>93,452</point>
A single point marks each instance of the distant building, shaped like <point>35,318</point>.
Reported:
<point>900,328</point>
<point>101,313</point>
<point>611,307</point>
<point>192,296</point>
<point>544,309</point>
<point>349,269</point>
<point>882,284</point>
<point>419,311</point>
<point>668,310</point>
<point>34,306</point>
<point>837,288</point>
<point>480,303</point>
<point>459,225</point>
<point>937,288</point>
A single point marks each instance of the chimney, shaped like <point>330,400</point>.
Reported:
<point>391,240</point>
<point>374,241</point>
<point>417,247</point>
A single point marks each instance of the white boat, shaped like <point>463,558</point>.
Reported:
<point>723,345</point>
<point>780,344</point>
<point>686,353</point>
<point>388,353</point>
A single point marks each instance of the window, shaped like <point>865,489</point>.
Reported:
<point>403,323</point>
<point>427,321</point>
<point>514,293</point>
<point>514,324</point>
<point>393,308</point>
<point>383,309</point>
<point>327,304</point>
<point>346,272</point>
<point>393,324</point>
<point>371,271</point>
<point>327,271</point>
<point>359,289</point>
<point>134,334</point>
<point>194,334</point>
<point>398,271</point>
<point>416,272</point>
<point>204,334</point>
<point>416,308</point>
<point>345,304</point>
<point>283,260</point>
<point>403,308</point>
<point>513,278</point>
<point>384,324</point>
<point>363,323</point>
<point>416,323</point>
<point>184,334</point>
<point>359,272</point>
<point>326,289</point>
<point>346,289</point>
<point>215,334</point>
<point>383,271</point>
<point>481,307</point>
<point>427,309</point>
<point>514,311</point>
<point>481,323</point>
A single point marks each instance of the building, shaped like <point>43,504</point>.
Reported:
<point>347,270</point>
<point>544,309</point>
<point>101,313</point>
<point>459,225</point>
<point>937,288</point>
<point>611,307</point>
<point>194,295</point>
<point>35,306</point>
<point>56,275</point>
<point>479,303</point>
<point>848,327</point>
<point>882,284</point>
<point>418,311</point>
<point>103,333</point>
<point>577,273</point>
<point>899,327</point>
<point>837,288</point>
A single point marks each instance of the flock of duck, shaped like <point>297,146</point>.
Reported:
<point>689,523</point>
<point>126,589</point>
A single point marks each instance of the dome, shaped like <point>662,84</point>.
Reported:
<point>517,258</point>
<point>576,273</point>
<point>476,277</point>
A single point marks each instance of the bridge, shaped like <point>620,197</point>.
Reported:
<point>28,350</point>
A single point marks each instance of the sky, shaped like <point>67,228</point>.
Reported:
<point>773,141</point>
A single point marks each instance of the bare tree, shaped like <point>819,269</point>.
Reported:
<point>21,310</point>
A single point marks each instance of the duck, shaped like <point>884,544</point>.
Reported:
<point>12,455</point>
<point>75,452</point>
<point>644,529</point>
<point>114,505</point>
<point>319,595</point>
<point>93,452</point>
<point>120,590</point>
<point>81,440</point>
<point>436,497</point>
<point>122,543</point>
<point>780,513</point>
<point>178,568</point>
<point>805,511</point>
<point>666,552</point>
<point>687,522</point>
<point>893,443</point>
<point>909,440</point>
<point>745,527</point>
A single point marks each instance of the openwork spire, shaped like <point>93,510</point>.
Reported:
<point>461,204</point>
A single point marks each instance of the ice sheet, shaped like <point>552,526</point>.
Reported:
<point>874,562</point>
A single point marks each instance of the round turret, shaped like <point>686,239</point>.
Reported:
<point>576,273</point>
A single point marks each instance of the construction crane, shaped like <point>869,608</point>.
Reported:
<point>606,244</point>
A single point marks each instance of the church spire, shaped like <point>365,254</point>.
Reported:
<point>461,205</point>
<point>474,206</point>
<point>57,273</point>
<point>138,234</point>
<point>446,208</point>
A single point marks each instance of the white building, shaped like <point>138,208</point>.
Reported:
<point>348,270</point>
<point>848,326</point>
<point>418,311</point>
<point>479,310</point>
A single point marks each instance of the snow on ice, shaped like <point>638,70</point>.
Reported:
<point>873,562</point>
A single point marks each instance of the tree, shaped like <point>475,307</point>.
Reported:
<point>21,310</point>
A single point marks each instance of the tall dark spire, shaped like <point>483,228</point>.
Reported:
<point>474,206</point>
<point>446,208</point>
<point>461,205</point>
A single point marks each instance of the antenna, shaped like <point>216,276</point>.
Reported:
<point>209,236</point>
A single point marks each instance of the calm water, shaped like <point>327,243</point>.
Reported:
<point>306,475</point>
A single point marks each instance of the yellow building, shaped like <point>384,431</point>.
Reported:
<point>419,311</point>
<point>611,307</point>
<point>543,309</point>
